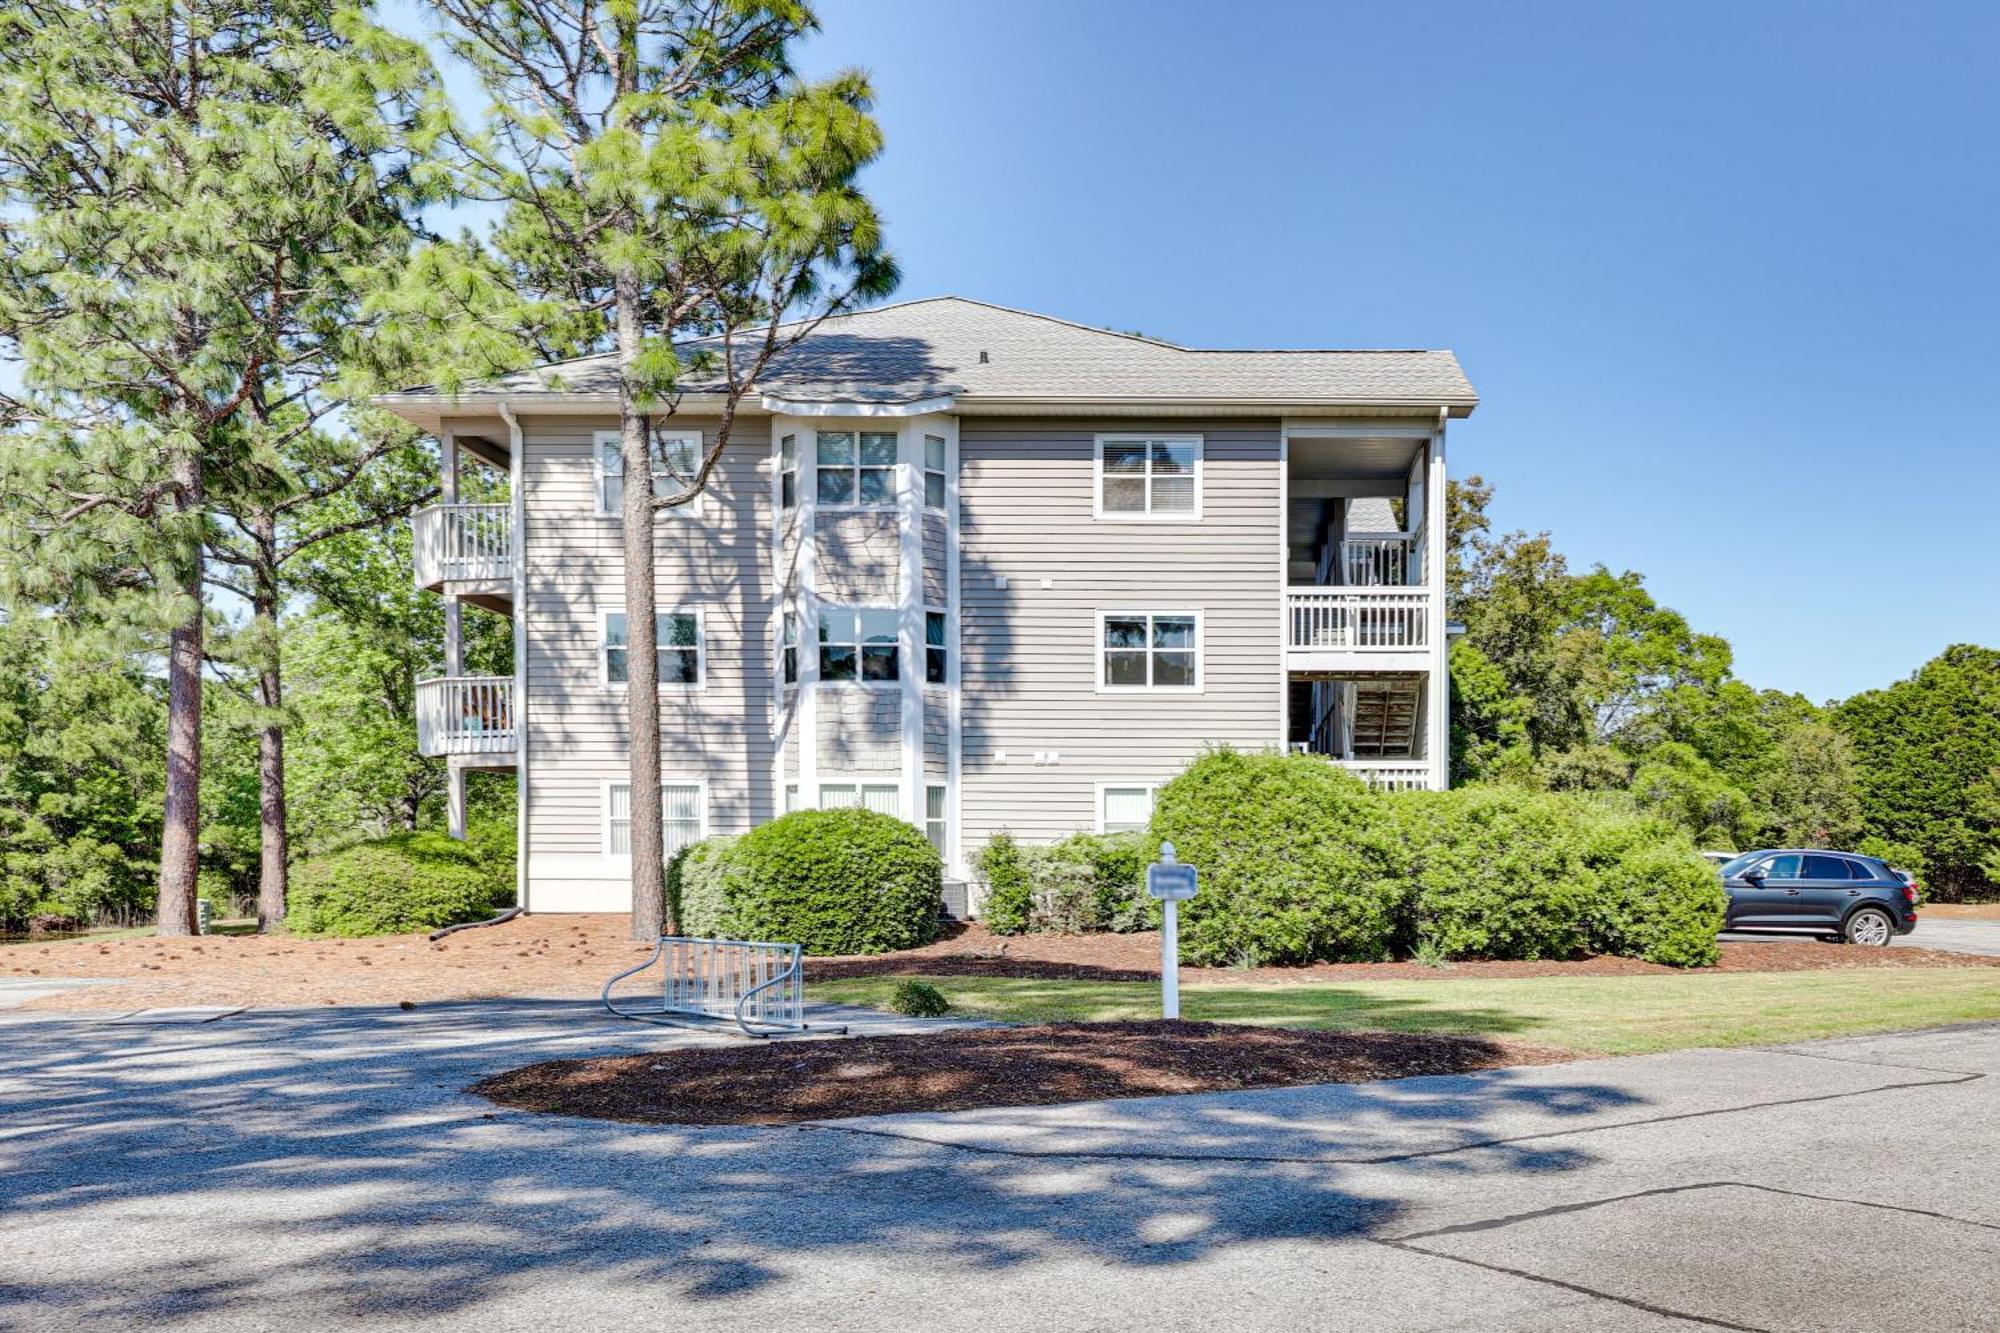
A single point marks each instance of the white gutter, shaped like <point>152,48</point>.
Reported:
<point>517,471</point>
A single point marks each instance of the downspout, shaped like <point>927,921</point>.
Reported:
<point>517,470</point>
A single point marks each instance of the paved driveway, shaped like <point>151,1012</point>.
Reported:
<point>320,1170</point>
<point>1953,934</point>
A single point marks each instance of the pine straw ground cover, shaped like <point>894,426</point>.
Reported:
<point>782,1082</point>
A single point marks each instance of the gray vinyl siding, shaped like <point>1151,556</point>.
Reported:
<point>716,561</point>
<point>937,734</point>
<point>1031,654</point>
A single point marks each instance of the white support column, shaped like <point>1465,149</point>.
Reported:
<point>910,596</point>
<point>454,807</point>
<point>1437,727</point>
<point>806,715</point>
<point>1284,581</point>
<point>955,863</point>
<point>517,476</point>
<point>454,622</point>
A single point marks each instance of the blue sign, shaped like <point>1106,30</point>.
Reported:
<point>1170,881</point>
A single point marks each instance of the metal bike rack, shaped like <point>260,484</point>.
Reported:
<point>761,986</point>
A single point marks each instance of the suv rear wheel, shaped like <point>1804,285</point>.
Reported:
<point>1871,926</point>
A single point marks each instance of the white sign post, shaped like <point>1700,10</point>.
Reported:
<point>1170,881</point>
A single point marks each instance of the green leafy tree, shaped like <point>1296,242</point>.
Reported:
<point>673,192</point>
<point>1680,786</point>
<point>82,757</point>
<point>193,198</point>
<point>1925,750</point>
<point>1808,795</point>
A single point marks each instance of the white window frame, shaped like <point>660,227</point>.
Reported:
<point>857,504</point>
<point>1148,515</point>
<point>778,453</point>
<point>879,781</point>
<point>925,645</point>
<point>668,780</point>
<point>1098,649</point>
<point>788,618</point>
<point>943,840</point>
<point>1152,790</point>
<point>943,474</point>
<point>598,474</point>
<point>902,666</point>
<point>604,681</point>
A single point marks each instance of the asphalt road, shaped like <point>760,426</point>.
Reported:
<point>1954,934</point>
<point>321,1170</point>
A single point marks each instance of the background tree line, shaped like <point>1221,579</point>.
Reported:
<point>1582,681</point>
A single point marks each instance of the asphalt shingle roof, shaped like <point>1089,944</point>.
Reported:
<point>943,345</point>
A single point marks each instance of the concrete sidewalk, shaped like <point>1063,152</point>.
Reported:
<point>322,1170</point>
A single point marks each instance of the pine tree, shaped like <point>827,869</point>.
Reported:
<point>665,177</point>
<point>194,198</point>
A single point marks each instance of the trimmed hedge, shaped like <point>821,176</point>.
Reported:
<point>1087,882</point>
<point>1298,860</point>
<point>1301,863</point>
<point>402,883</point>
<point>1495,872</point>
<point>832,881</point>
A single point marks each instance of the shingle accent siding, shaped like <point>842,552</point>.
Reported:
<point>860,729</point>
<point>860,555</point>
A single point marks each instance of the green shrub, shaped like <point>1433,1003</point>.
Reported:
<point>1010,897</point>
<point>694,887</point>
<point>404,882</point>
<point>918,999</point>
<point>1297,860</point>
<point>1495,872</point>
<point>832,881</point>
<point>1062,881</point>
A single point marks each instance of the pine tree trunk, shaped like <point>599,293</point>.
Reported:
<point>273,872</point>
<point>180,838</point>
<point>642,649</point>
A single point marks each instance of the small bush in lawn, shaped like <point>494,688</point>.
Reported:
<point>404,882</point>
<point>1010,898</point>
<point>918,999</point>
<point>832,881</point>
<point>1298,860</point>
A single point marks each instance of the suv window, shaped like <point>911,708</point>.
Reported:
<point>1828,867</point>
<point>1781,867</point>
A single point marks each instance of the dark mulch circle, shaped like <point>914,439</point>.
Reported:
<point>780,1082</point>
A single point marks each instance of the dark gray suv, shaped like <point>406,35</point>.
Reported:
<point>1838,895</point>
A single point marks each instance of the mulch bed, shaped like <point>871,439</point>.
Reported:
<point>782,1082</point>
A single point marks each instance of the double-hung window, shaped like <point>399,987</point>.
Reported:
<point>859,643</point>
<point>884,798</point>
<point>682,811</point>
<point>936,647</point>
<point>788,647</point>
<point>1148,476</point>
<point>680,648</point>
<point>1126,808</point>
<point>1149,650</point>
<point>934,471</point>
<point>788,472</point>
<point>855,467</point>
<point>676,461</point>
<point>937,825</point>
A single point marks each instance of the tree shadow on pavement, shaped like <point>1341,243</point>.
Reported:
<point>296,1163</point>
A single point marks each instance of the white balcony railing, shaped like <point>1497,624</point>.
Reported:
<point>465,715</point>
<point>1380,559</point>
<point>463,543</point>
<point>1390,774</point>
<point>1362,619</point>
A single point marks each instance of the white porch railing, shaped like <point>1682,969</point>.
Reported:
<point>1380,619</point>
<point>1390,774</point>
<point>465,715</point>
<point>1378,559</point>
<point>462,542</point>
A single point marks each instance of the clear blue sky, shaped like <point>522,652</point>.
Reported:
<point>1724,275</point>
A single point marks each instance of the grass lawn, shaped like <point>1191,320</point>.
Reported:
<point>1594,1015</point>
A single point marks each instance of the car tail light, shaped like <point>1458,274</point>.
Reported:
<point>1910,891</point>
